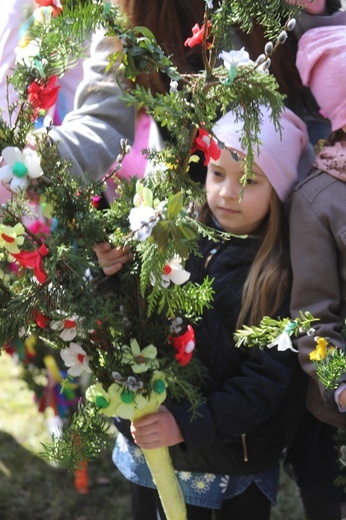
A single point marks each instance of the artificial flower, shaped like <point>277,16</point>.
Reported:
<point>12,237</point>
<point>207,145</point>
<point>158,384</point>
<point>320,351</point>
<point>116,401</point>
<point>174,272</point>
<point>76,358</point>
<point>33,260</point>
<point>43,14</point>
<point>184,344</point>
<point>235,58</point>
<point>54,4</point>
<point>26,52</point>
<point>20,166</point>
<point>140,360</point>
<point>143,196</point>
<point>142,220</point>
<point>43,94</point>
<point>67,328</point>
<point>232,60</point>
<point>98,395</point>
<point>197,37</point>
<point>283,342</point>
<point>41,319</point>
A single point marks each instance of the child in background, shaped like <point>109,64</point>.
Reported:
<point>318,253</point>
<point>227,458</point>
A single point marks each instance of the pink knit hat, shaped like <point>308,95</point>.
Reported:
<point>277,155</point>
<point>321,62</point>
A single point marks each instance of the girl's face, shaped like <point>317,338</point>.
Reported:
<point>223,188</point>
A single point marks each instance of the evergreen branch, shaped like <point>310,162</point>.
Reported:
<point>269,329</point>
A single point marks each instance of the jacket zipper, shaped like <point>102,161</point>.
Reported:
<point>243,441</point>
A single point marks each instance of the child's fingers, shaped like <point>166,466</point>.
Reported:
<point>112,259</point>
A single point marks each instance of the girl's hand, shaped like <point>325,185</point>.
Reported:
<point>310,6</point>
<point>156,430</point>
<point>112,259</point>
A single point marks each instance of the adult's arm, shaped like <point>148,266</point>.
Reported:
<point>316,265</point>
<point>90,135</point>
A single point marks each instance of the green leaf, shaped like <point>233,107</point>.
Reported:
<point>175,204</point>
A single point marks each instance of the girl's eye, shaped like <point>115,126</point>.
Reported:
<point>251,181</point>
<point>217,173</point>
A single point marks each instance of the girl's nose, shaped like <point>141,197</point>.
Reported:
<point>230,189</point>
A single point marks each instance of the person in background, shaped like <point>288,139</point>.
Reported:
<point>90,135</point>
<point>227,458</point>
<point>318,254</point>
<point>283,66</point>
<point>16,16</point>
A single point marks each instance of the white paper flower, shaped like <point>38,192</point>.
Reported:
<point>25,54</point>
<point>67,328</point>
<point>174,272</point>
<point>20,166</point>
<point>283,342</point>
<point>76,358</point>
<point>142,220</point>
<point>235,58</point>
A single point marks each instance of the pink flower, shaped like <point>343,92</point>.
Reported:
<point>207,145</point>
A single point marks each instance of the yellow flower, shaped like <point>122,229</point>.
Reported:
<point>11,237</point>
<point>141,360</point>
<point>117,401</point>
<point>320,351</point>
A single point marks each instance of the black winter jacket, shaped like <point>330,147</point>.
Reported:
<point>241,425</point>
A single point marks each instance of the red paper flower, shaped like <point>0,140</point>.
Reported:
<point>43,95</point>
<point>184,345</point>
<point>55,4</point>
<point>33,260</point>
<point>207,145</point>
<point>41,319</point>
<point>198,36</point>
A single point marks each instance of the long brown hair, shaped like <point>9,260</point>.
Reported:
<point>171,22</point>
<point>268,280</point>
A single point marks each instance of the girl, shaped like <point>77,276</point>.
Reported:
<point>318,252</point>
<point>227,459</point>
